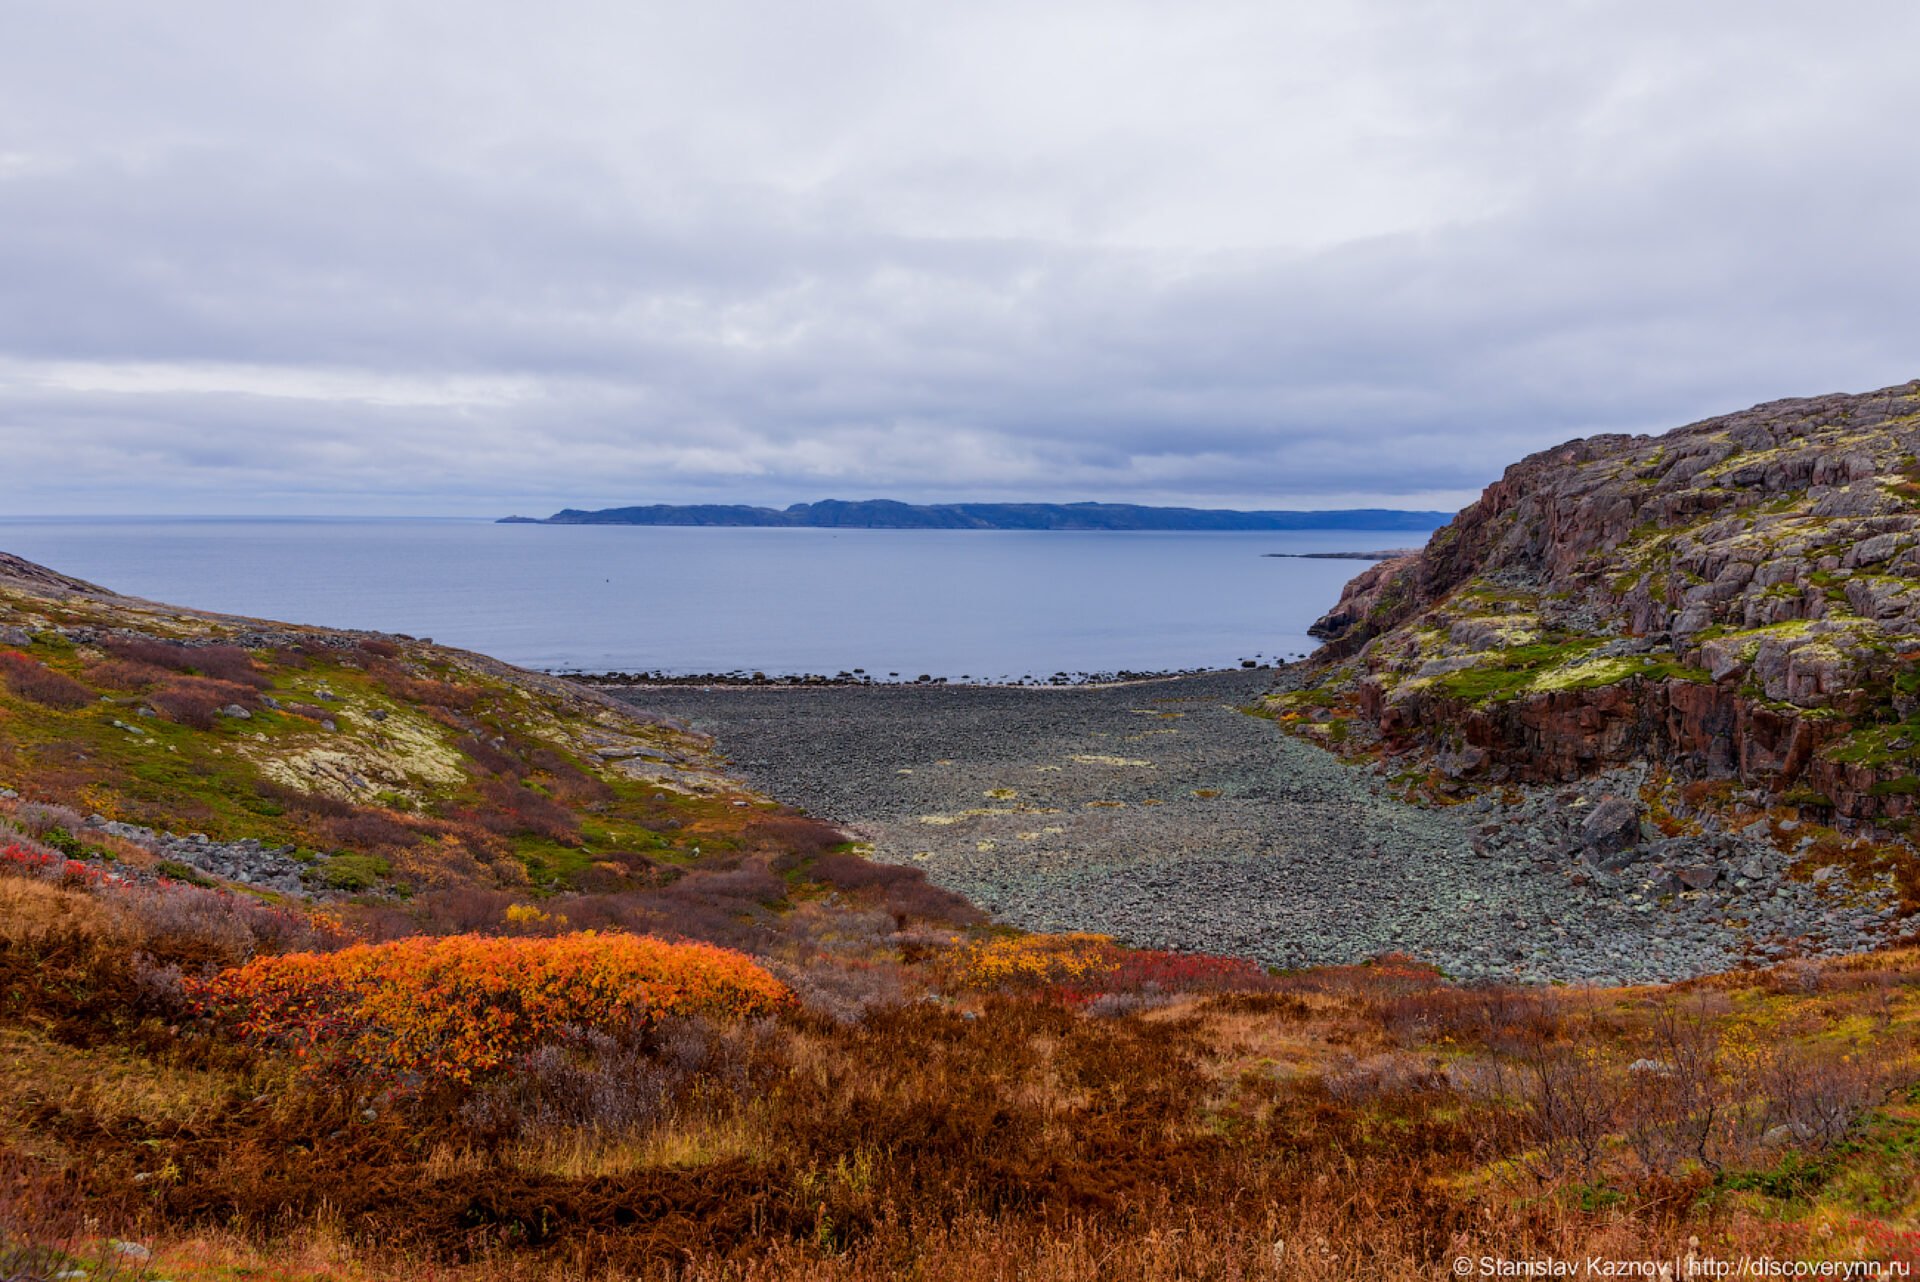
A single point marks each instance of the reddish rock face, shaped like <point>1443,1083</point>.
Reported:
<point>1745,592</point>
<point>1701,731</point>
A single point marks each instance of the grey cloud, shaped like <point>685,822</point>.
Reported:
<point>445,259</point>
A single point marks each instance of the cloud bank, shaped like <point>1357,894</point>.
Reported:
<point>480,258</point>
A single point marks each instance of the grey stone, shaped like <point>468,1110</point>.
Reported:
<point>1697,876</point>
<point>1612,829</point>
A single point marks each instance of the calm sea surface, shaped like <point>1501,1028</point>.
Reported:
<point>988,605</point>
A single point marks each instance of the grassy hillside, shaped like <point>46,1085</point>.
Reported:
<point>382,761</point>
<point>474,975</point>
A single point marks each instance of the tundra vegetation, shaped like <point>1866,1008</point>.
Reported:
<point>331,956</point>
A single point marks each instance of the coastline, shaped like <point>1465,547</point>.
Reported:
<point>857,679</point>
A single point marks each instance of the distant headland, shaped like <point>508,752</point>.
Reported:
<point>884,514</point>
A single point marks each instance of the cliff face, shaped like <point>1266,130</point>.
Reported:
<point>1739,598</point>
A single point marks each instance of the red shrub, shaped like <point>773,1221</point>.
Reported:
<point>461,910</point>
<point>221,662</point>
<point>1182,973</point>
<point>125,674</point>
<point>196,701</point>
<point>20,861</point>
<point>515,810</point>
<point>905,892</point>
<point>794,838</point>
<point>312,803</point>
<point>369,829</point>
<point>492,760</point>
<point>728,906</point>
<point>425,693</point>
<point>42,684</point>
<point>569,783</point>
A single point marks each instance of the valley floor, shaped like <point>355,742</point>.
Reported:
<point>1161,813</point>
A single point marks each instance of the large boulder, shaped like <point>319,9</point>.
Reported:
<point>1611,830</point>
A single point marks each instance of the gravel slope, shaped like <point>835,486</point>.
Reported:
<point>1161,814</point>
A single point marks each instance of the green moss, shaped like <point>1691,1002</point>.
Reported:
<point>355,872</point>
<point>183,872</point>
<point>1877,747</point>
<point>1560,664</point>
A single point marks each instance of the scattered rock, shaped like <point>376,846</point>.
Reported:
<point>1786,1133</point>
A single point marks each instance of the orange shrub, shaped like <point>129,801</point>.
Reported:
<point>1024,960</point>
<point>461,1006</point>
<point>1075,969</point>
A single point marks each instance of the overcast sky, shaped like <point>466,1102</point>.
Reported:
<point>474,258</point>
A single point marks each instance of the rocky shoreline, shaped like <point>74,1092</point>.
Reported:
<point>1162,813</point>
<point>861,677</point>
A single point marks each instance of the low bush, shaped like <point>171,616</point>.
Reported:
<point>368,829</point>
<point>514,810</point>
<point>424,692</point>
<point>793,839</point>
<point>227,663</point>
<point>196,701</point>
<point>731,907</point>
<point>125,674</point>
<point>42,685</point>
<point>610,1087</point>
<point>1077,969</point>
<point>904,892</point>
<point>843,990</point>
<point>352,872</point>
<point>567,782</point>
<point>491,759</point>
<point>464,1006</point>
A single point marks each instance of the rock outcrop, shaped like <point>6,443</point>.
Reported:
<point>1739,598</point>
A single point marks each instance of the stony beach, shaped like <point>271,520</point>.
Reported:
<point>1162,813</point>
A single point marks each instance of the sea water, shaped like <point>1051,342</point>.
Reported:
<point>974,604</point>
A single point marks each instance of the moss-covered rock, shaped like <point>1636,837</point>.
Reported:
<point>1769,559</point>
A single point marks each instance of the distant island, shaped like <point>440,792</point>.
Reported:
<point>884,514</point>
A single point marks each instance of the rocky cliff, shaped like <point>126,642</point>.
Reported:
<point>1737,599</point>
